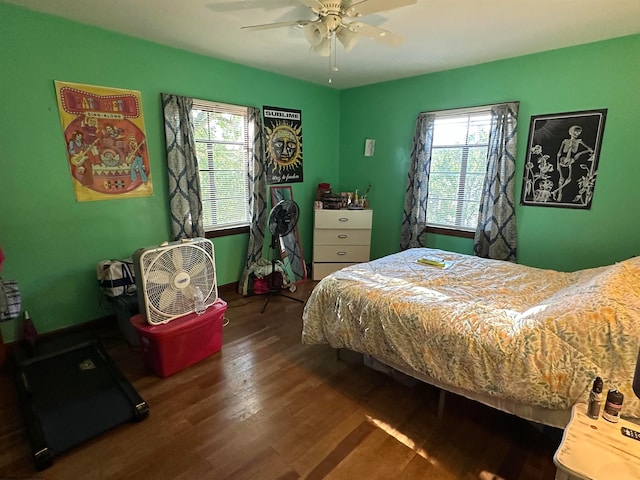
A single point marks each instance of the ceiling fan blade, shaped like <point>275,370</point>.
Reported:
<point>367,7</point>
<point>236,5</point>
<point>379,34</point>
<point>348,38</point>
<point>312,3</point>
<point>294,23</point>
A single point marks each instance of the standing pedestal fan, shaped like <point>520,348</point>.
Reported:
<point>282,220</point>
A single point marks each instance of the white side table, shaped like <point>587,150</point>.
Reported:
<point>597,449</point>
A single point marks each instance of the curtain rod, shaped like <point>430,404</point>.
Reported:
<point>476,107</point>
<point>210,101</point>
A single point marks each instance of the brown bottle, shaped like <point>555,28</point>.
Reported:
<point>595,399</point>
<point>613,406</point>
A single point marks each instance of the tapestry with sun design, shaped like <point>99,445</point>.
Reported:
<point>283,130</point>
<point>562,159</point>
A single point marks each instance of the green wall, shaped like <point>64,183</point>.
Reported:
<point>600,75</point>
<point>52,243</point>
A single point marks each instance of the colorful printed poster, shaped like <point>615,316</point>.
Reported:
<point>106,141</point>
<point>283,129</point>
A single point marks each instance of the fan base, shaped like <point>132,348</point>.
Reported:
<point>279,293</point>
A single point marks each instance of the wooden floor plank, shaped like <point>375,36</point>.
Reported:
<point>268,407</point>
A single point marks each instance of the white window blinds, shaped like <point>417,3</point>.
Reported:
<point>224,151</point>
<point>458,168</point>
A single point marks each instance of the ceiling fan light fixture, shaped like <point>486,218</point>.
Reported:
<point>316,33</point>
<point>331,25</point>
<point>348,38</point>
<point>332,22</point>
<point>323,48</point>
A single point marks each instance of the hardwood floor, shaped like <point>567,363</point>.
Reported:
<point>269,407</point>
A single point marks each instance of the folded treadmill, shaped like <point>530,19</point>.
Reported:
<point>71,391</point>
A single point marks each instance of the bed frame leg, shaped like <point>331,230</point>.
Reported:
<point>441,404</point>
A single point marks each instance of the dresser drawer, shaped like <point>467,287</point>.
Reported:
<point>341,219</point>
<point>330,236</point>
<point>341,253</point>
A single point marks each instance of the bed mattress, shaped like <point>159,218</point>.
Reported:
<point>501,331</point>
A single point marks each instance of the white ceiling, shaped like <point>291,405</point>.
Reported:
<point>439,34</point>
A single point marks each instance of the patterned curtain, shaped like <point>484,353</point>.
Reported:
<point>182,165</point>
<point>257,198</point>
<point>414,221</point>
<point>496,233</point>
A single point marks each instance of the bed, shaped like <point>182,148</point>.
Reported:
<point>524,340</point>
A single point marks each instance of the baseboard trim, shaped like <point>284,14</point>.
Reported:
<point>101,322</point>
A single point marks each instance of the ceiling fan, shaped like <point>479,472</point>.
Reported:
<point>333,20</point>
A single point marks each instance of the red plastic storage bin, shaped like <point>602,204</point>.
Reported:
<point>176,345</point>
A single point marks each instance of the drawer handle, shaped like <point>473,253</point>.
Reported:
<point>341,253</point>
<point>343,219</point>
<point>343,236</point>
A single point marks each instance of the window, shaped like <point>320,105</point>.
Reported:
<point>458,168</point>
<point>224,150</point>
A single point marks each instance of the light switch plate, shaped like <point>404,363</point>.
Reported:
<point>369,147</point>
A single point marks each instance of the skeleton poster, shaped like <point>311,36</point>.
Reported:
<point>105,141</point>
<point>562,159</point>
<point>283,129</point>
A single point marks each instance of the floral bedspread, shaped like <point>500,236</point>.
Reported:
<point>530,335</point>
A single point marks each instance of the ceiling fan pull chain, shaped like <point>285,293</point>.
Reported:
<point>333,62</point>
<point>334,53</point>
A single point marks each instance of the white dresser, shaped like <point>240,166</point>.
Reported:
<point>340,238</point>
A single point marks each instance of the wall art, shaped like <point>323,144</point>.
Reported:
<point>562,159</point>
<point>283,129</point>
<point>106,141</point>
